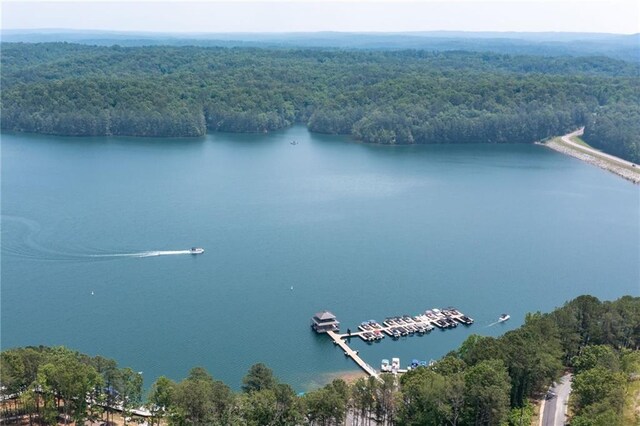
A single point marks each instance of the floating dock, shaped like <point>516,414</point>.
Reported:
<point>405,325</point>
<point>395,327</point>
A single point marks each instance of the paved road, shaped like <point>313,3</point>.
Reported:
<point>555,409</point>
<point>567,139</point>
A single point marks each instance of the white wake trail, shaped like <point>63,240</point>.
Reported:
<point>26,245</point>
<point>162,253</point>
<point>152,253</point>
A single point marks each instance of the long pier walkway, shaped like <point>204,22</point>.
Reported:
<point>325,322</point>
<point>337,339</point>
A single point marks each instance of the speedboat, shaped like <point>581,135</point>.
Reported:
<point>465,320</point>
<point>196,250</point>
<point>504,317</point>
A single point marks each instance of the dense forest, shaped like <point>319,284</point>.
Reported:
<point>487,381</point>
<point>388,97</point>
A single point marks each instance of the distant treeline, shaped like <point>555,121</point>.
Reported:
<point>389,97</point>
<point>617,46</point>
<point>487,381</point>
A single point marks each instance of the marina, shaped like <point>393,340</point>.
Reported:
<point>394,327</point>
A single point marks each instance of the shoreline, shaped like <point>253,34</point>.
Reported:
<point>604,161</point>
<point>318,380</point>
<point>349,376</point>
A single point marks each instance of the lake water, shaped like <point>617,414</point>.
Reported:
<point>364,231</point>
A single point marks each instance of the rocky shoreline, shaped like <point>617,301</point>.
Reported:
<point>627,174</point>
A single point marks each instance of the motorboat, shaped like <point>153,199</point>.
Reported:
<point>465,320</point>
<point>389,322</point>
<point>504,317</point>
<point>365,326</point>
<point>416,363</point>
<point>374,324</point>
<point>393,332</point>
<point>395,364</point>
<point>196,250</point>
<point>368,336</point>
<point>441,323</point>
<point>384,367</point>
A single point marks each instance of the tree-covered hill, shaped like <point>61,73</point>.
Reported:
<point>391,97</point>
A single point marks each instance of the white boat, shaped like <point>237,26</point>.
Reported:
<point>504,317</point>
<point>384,367</point>
<point>196,250</point>
<point>395,365</point>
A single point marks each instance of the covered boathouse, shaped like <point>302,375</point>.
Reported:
<point>324,321</point>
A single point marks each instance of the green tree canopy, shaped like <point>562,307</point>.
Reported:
<point>258,378</point>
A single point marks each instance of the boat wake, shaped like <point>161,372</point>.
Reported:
<point>497,322</point>
<point>20,239</point>
<point>152,253</point>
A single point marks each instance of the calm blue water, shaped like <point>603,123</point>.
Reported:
<point>364,231</point>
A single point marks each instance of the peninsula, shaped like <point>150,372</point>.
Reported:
<point>580,150</point>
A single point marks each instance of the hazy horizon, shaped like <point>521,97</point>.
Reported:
<point>195,33</point>
<point>309,16</point>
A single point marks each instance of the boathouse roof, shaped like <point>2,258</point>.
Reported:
<point>324,316</point>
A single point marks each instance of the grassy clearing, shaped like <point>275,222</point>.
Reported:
<point>579,141</point>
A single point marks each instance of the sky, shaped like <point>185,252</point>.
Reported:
<point>612,16</point>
